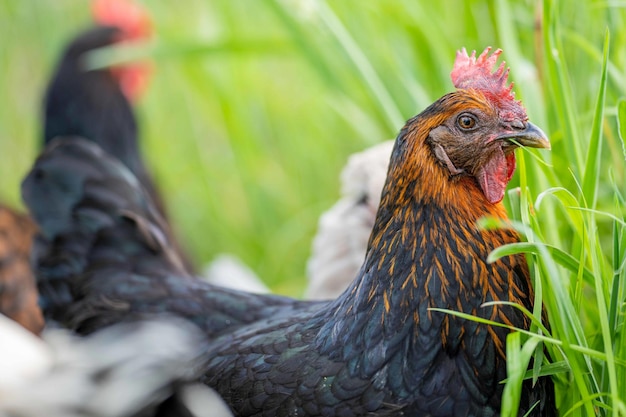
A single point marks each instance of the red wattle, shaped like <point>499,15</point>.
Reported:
<point>495,175</point>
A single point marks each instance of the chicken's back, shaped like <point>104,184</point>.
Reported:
<point>102,255</point>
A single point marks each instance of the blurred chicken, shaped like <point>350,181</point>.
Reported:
<point>92,104</point>
<point>96,104</point>
<point>75,185</point>
<point>137,369</point>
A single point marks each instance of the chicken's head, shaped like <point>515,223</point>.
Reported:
<point>479,126</point>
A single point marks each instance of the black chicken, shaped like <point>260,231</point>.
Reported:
<point>377,349</point>
<point>91,104</point>
<point>96,104</point>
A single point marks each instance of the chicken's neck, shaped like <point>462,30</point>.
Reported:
<point>426,252</point>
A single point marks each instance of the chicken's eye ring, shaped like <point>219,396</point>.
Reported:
<point>466,121</point>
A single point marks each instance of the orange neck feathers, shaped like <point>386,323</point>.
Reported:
<point>428,180</point>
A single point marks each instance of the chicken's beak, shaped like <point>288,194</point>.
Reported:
<point>531,136</point>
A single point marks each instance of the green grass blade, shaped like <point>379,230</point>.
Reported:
<point>591,175</point>
<point>518,357</point>
<point>120,54</point>
<point>304,42</point>
<point>621,124</point>
<point>614,308</point>
<point>513,386</point>
<point>362,64</point>
<point>560,256</point>
<point>560,84</point>
<point>596,354</point>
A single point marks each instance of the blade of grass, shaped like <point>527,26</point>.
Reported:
<point>621,124</point>
<point>590,192</point>
<point>586,45</point>
<point>304,42</point>
<point>596,354</point>
<point>518,357</point>
<point>120,54</point>
<point>591,175</point>
<point>614,308</point>
<point>362,64</point>
<point>513,386</point>
<point>568,200</point>
<point>560,84</point>
<point>560,256</point>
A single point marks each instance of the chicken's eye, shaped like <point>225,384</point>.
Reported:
<point>466,121</point>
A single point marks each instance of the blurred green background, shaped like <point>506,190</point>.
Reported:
<point>255,105</point>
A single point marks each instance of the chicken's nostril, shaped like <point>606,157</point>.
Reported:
<point>518,124</point>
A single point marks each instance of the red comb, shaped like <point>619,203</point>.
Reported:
<point>134,22</point>
<point>476,73</point>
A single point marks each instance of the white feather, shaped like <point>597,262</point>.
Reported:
<point>343,232</point>
<point>116,372</point>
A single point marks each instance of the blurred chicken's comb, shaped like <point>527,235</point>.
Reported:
<point>133,21</point>
<point>472,72</point>
<point>135,25</point>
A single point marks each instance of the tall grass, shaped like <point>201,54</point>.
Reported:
<point>255,106</point>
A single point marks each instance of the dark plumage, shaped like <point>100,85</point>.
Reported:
<point>99,226</point>
<point>377,349</point>
<point>94,104</point>
<point>91,104</point>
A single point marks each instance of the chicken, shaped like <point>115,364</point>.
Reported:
<point>96,104</point>
<point>18,291</point>
<point>339,246</point>
<point>138,369</point>
<point>377,349</point>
